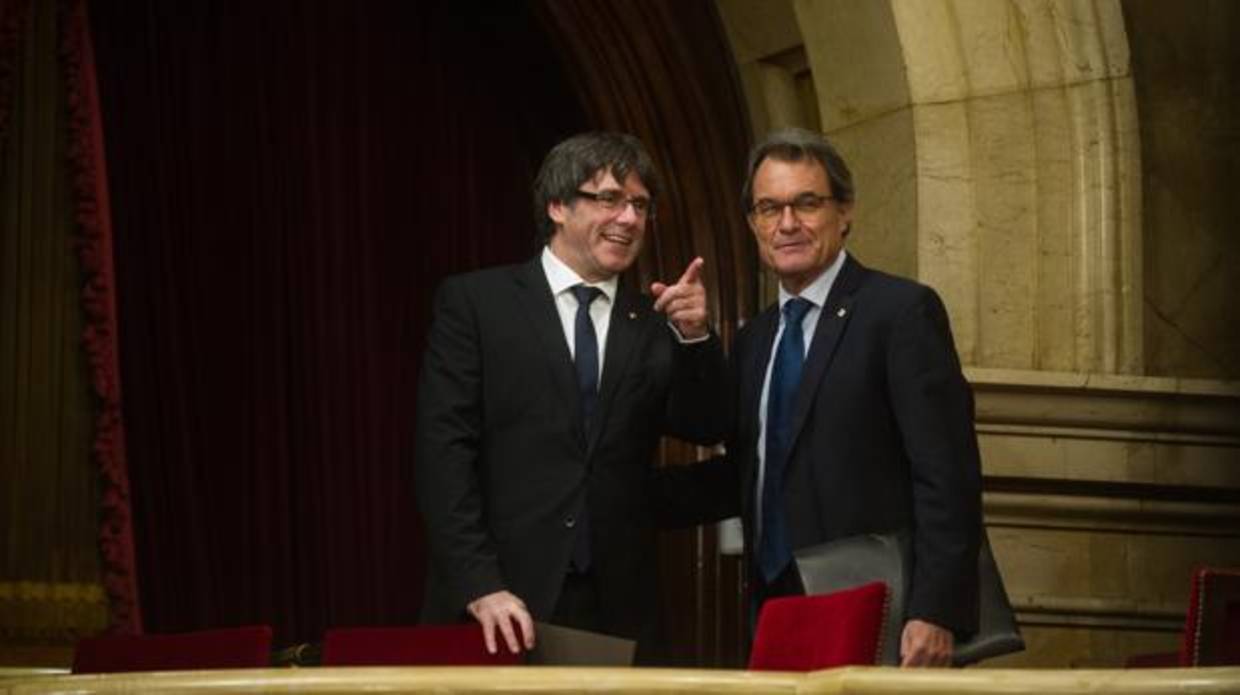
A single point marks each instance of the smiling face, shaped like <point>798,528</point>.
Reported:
<point>595,242</point>
<point>797,246</point>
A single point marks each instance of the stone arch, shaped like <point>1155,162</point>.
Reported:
<point>997,157</point>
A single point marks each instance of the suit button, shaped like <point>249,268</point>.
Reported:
<point>569,522</point>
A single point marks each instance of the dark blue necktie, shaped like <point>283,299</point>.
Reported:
<point>586,360</point>
<point>774,552</point>
<point>586,351</point>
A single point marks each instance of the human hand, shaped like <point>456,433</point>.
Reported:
<point>684,303</point>
<point>925,644</point>
<point>498,611</point>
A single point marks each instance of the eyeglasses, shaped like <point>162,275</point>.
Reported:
<point>614,201</point>
<point>805,205</point>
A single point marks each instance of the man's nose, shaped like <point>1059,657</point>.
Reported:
<point>787,219</point>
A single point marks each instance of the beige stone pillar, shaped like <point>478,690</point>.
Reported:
<point>996,153</point>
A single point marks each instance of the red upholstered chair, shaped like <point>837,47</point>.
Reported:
<point>423,645</point>
<point>241,647</point>
<point>806,633</point>
<point>1212,626</point>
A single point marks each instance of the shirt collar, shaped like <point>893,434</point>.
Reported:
<point>816,292</point>
<point>561,277</point>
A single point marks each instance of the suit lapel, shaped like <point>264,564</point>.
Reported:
<point>836,313</point>
<point>629,319</point>
<point>535,298</point>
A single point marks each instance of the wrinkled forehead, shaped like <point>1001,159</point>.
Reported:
<point>783,178</point>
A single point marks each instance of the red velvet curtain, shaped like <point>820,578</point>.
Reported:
<point>87,167</point>
<point>289,182</point>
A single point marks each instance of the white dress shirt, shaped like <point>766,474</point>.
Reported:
<point>816,293</point>
<point>562,279</point>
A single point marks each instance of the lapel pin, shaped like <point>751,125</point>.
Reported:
<point>841,312</point>
<point>632,315</point>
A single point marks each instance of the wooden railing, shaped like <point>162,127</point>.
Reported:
<point>530,679</point>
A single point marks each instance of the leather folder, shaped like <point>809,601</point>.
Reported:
<point>856,560</point>
<point>565,646</point>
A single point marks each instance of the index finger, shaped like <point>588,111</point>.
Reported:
<point>914,656</point>
<point>488,635</point>
<point>693,273</point>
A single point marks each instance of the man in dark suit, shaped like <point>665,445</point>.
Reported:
<point>543,394</point>
<point>854,416</point>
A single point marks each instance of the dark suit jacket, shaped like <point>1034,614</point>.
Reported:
<point>883,435</point>
<point>503,467</point>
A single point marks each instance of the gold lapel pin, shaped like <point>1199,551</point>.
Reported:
<point>841,312</point>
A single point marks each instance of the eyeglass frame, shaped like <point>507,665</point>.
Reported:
<point>614,200</point>
<point>776,210</point>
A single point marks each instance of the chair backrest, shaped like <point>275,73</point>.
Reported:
<point>421,645</point>
<point>807,633</point>
<point>240,647</point>
<point>1153,660</point>
<point>1212,626</point>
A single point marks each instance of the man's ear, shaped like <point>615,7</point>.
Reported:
<point>557,211</point>
<point>846,217</point>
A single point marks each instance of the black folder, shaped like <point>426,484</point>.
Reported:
<point>856,560</point>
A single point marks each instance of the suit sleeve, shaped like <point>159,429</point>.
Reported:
<point>705,491</point>
<point>934,407</point>
<point>697,402</point>
<point>696,493</point>
<point>449,427</point>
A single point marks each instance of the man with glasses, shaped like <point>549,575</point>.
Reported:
<point>544,390</point>
<point>854,416</point>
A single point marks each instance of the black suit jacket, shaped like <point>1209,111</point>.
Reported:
<point>883,436</point>
<point>503,467</point>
